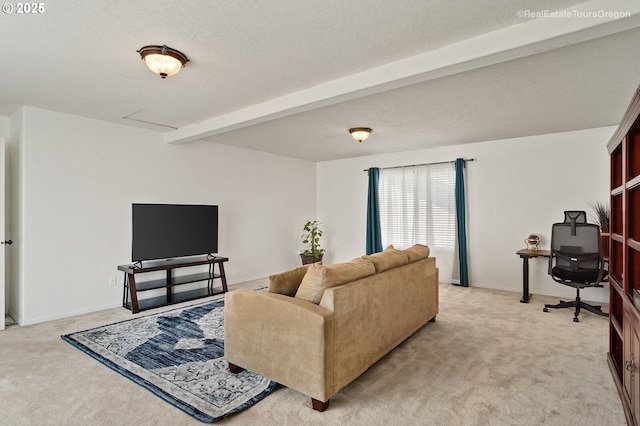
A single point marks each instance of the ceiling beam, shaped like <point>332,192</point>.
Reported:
<point>587,21</point>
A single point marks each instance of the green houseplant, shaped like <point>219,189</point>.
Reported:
<point>600,216</point>
<point>311,234</point>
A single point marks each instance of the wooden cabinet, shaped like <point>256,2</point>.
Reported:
<point>624,260</point>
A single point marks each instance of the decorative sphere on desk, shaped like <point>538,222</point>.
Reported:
<point>533,241</point>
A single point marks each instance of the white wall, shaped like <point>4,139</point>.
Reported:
<point>4,292</point>
<point>80,177</point>
<point>4,127</point>
<point>72,181</point>
<point>514,188</point>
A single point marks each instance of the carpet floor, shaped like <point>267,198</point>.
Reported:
<point>487,360</point>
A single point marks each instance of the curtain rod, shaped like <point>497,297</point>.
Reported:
<point>423,164</point>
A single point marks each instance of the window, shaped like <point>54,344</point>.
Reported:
<point>417,205</point>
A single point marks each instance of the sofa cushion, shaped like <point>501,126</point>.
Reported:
<point>417,252</point>
<point>287,283</point>
<point>388,259</point>
<point>320,277</point>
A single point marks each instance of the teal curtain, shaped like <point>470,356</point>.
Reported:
<point>374,234</point>
<point>461,221</point>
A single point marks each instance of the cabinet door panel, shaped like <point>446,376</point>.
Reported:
<point>628,356</point>
<point>631,374</point>
<point>635,373</point>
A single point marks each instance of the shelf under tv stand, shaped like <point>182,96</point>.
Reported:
<point>134,288</point>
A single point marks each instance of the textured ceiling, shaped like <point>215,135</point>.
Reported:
<point>262,73</point>
<point>578,87</point>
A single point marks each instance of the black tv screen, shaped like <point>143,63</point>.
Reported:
<point>162,231</point>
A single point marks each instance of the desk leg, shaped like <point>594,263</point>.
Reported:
<point>223,278</point>
<point>525,281</point>
<point>134,294</point>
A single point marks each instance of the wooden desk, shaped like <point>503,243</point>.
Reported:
<point>527,254</point>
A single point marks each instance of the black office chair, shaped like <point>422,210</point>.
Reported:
<point>576,261</point>
<point>580,216</point>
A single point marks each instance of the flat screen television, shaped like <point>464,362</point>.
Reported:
<point>163,231</point>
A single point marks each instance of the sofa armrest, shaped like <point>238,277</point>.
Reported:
<point>287,282</point>
<point>286,339</point>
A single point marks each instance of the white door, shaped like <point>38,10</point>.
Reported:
<point>2,231</point>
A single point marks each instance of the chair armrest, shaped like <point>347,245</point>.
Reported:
<point>286,339</point>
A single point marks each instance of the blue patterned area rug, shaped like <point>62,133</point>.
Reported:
<point>177,355</point>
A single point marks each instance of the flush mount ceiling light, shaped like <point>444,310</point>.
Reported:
<point>163,60</point>
<point>360,133</point>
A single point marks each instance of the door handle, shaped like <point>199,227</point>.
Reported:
<point>8,242</point>
<point>630,365</point>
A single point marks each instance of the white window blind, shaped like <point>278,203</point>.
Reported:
<point>417,205</point>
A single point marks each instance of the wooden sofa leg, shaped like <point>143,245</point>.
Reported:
<point>235,369</point>
<point>319,405</point>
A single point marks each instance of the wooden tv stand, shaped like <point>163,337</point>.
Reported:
<point>132,288</point>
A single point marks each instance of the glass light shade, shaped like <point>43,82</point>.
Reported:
<point>163,65</point>
<point>360,133</point>
<point>163,60</point>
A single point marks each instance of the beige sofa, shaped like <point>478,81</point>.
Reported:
<point>318,327</point>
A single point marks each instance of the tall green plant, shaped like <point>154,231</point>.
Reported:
<point>600,215</point>
<point>311,236</point>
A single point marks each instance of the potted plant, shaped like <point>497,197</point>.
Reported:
<point>601,217</point>
<point>311,234</point>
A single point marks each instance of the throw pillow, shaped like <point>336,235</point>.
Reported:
<point>320,277</point>
<point>388,259</point>
<point>417,252</point>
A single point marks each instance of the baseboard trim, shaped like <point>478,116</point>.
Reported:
<point>62,315</point>
<point>37,320</point>
<point>542,293</point>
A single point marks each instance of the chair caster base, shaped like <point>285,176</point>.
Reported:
<point>579,306</point>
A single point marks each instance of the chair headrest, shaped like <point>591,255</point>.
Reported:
<point>573,217</point>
